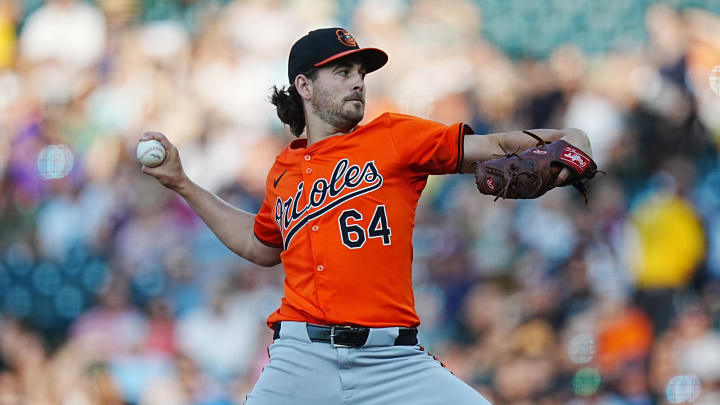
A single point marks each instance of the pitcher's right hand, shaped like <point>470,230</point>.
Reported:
<point>170,173</point>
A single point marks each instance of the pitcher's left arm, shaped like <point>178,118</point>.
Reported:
<point>478,148</point>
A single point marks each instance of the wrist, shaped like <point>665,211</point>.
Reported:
<point>183,186</point>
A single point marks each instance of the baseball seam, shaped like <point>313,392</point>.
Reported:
<point>153,149</point>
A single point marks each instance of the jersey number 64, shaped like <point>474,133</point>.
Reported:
<point>354,236</point>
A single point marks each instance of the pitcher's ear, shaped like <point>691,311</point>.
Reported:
<point>304,87</point>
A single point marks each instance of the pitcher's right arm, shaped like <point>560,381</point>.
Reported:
<point>234,227</point>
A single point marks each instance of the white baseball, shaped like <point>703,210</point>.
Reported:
<point>150,153</point>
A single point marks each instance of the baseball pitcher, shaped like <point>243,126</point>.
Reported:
<point>339,212</point>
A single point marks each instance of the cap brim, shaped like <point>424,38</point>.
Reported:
<point>373,58</point>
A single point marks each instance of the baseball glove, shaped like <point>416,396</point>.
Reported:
<point>533,172</point>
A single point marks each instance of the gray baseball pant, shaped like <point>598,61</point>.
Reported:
<point>302,372</point>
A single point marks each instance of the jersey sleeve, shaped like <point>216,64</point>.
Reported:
<point>426,146</point>
<point>265,228</point>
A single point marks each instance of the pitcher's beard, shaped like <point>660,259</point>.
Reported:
<point>341,120</point>
<point>336,114</point>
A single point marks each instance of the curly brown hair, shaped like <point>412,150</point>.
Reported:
<point>290,106</point>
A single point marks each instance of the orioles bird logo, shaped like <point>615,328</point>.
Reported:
<point>345,38</point>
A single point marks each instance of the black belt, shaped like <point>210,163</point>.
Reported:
<point>350,336</point>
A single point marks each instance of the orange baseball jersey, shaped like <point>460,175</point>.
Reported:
<point>343,210</point>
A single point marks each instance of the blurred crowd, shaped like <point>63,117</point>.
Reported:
<point>112,291</point>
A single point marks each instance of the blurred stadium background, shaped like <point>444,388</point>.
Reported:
<point>113,292</point>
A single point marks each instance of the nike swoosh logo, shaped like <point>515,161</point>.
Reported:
<point>275,183</point>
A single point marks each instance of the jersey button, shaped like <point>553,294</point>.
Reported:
<point>320,267</point>
<point>315,228</point>
<point>307,158</point>
<point>308,170</point>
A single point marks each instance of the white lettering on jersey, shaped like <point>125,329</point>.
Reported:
<point>345,183</point>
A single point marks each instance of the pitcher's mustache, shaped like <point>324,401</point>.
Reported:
<point>355,96</point>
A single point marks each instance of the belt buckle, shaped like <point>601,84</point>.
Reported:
<point>332,335</point>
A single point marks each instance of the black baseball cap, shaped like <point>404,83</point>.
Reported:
<point>325,45</point>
